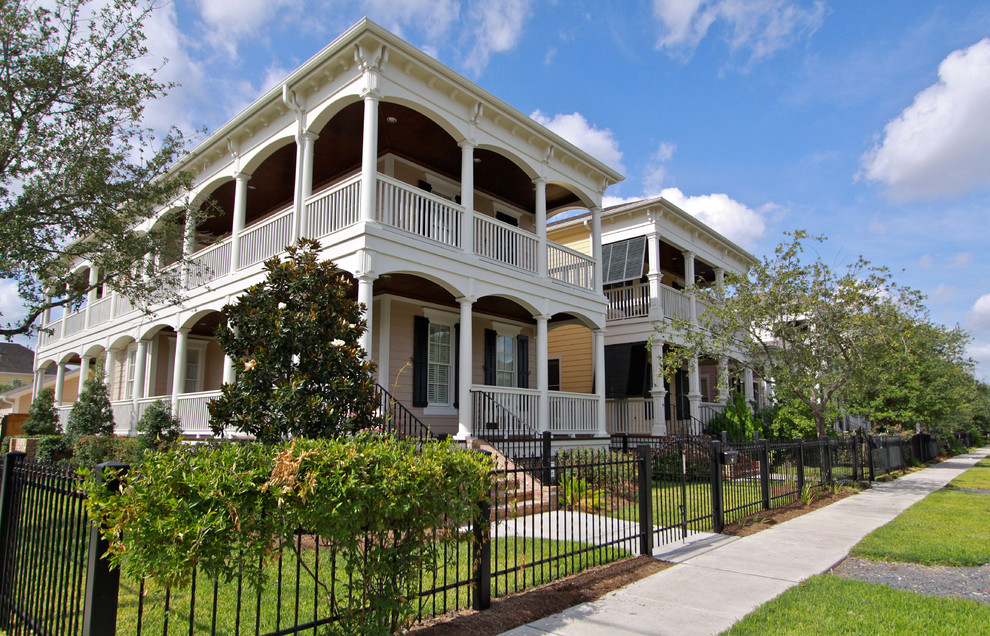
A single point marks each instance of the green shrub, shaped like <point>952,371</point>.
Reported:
<point>53,448</point>
<point>91,414</point>
<point>90,450</point>
<point>158,427</point>
<point>42,418</point>
<point>226,508</point>
<point>600,470</point>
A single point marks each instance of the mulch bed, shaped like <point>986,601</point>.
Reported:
<point>751,524</point>
<point>513,611</point>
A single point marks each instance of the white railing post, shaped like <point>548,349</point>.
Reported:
<point>467,195</point>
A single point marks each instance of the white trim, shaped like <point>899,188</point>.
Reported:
<point>506,329</point>
<point>448,318</point>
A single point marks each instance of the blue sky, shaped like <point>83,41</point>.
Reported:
<point>868,122</point>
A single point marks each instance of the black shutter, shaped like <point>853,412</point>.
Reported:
<point>522,361</point>
<point>457,364</point>
<point>617,370</point>
<point>421,359</point>
<point>667,401</point>
<point>683,404</point>
<point>490,377</point>
<point>638,361</point>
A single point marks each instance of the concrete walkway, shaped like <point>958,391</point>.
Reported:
<point>720,579</point>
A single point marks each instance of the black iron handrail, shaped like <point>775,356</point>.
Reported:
<point>522,427</point>
<point>399,418</point>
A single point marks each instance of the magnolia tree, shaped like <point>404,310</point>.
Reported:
<point>294,342</point>
<point>795,322</point>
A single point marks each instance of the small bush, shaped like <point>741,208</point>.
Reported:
<point>90,450</point>
<point>53,448</point>
<point>158,427</point>
<point>91,414</point>
<point>600,470</point>
<point>42,418</point>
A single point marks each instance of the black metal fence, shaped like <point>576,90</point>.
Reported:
<point>548,517</point>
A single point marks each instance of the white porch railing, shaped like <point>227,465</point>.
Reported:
<point>54,336</point>
<point>507,409</point>
<point>573,412</point>
<point>63,415</point>
<point>75,322</point>
<point>192,411</point>
<point>266,239</point>
<point>418,212</point>
<point>122,412</point>
<point>122,307</point>
<point>629,415</point>
<point>628,302</point>
<point>99,312</point>
<point>209,264</point>
<point>675,303</point>
<point>504,243</point>
<point>570,266</point>
<point>334,208</point>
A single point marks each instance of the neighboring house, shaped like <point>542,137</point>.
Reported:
<point>16,364</point>
<point>651,251</point>
<point>431,193</point>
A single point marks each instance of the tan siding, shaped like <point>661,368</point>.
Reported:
<point>163,353</point>
<point>576,237</point>
<point>572,343</point>
<point>213,372</point>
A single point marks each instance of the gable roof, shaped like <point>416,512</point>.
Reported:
<point>15,358</point>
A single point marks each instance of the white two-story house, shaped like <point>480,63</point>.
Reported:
<point>652,250</point>
<point>431,193</point>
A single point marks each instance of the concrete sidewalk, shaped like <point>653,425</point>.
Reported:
<point>720,579</point>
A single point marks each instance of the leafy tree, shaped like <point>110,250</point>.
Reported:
<point>42,418</point>
<point>78,173</point>
<point>158,426</point>
<point>294,342</point>
<point>919,377</point>
<point>798,325</point>
<point>91,414</point>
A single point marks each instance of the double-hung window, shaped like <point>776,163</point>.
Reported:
<point>440,365</point>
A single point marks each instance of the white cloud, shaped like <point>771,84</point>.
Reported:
<point>656,171</point>
<point>599,143</point>
<point>961,260</point>
<point>498,26</point>
<point>230,21</point>
<point>610,201</point>
<point>978,317</point>
<point>727,216</point>
<point>926,261</point>
<point>942,294</point>
<point>979,350</point>
<point>940,145</point>
<point>761,26</point>
<point>434,17</point>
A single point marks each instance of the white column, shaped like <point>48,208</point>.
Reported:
<point>366,288</point>
<point>109,363</point>
<point>653,276</point>
<point>542,377</point>
<point>657,392</point>
<point>179,366</point>
<point>188,245</point>
<point>369,157</point>
<point>723,380</point>
<point>689,281</point>
<point>308,142</point>
<point>140,363</point>
<point>84,363</point>
<point>229,374</point>
<point>465,412</point>
<point>59,383</point>
<point>467,195</point>
<point>541,226</point>
<point>720,278</point>
<point>94,278</point>
<point>748,385</point>
<point>240,213</point>
<point>46,315</point>
<point>39,381</point>
<point>694,392</point>
<point>599,357</point>
<point>596,248</point>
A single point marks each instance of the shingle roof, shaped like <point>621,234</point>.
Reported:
<point>15,358</point>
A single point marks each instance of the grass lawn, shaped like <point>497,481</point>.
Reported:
<point>278,606</point>
<point>830,605</point>
<point>976,477</point>
<point>948,527</point>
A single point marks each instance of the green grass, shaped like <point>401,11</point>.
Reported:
<point>945,528</point>
<point>275,613</point>
<point>976,477</point>
<point>830,605</point>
